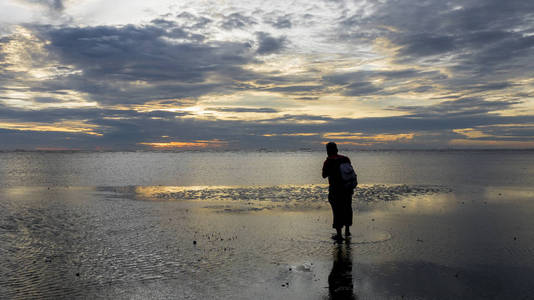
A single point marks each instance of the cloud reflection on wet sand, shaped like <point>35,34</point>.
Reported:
<point>97,242</point>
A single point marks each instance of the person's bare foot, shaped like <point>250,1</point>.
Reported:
<point>337,237</point>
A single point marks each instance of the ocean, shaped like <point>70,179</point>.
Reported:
<point>484,168</point>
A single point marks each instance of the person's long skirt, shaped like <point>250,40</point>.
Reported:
<point>341,202</point>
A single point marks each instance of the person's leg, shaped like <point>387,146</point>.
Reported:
<point>338,233</point>
<point>338,212</point>
<point>347,212</point>
<point>335,215</point>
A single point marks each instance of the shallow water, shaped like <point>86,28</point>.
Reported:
<point>171,242</point>
<point>61,235</point>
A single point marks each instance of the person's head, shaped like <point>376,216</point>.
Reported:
<point>331,149</point>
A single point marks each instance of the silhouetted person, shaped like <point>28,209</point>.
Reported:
<point>340,285</point>
<point>339,195</point>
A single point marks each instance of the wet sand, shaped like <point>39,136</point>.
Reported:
<point>265,242</point>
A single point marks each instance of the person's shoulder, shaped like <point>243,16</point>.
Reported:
<point>338,158</point>
<point>343,158</point>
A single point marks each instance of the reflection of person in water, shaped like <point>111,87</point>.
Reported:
<point>339,196</point>
<point>340,285</point>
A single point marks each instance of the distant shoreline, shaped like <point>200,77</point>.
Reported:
<point>264,150</point>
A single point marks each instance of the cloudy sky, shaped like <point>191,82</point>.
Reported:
<point>135,74</point>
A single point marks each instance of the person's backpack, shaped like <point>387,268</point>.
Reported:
<point>348,176</point>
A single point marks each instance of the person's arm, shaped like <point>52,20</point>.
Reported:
<point>325,172</point>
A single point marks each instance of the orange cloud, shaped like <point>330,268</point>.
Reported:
<point>194,144</point>
<point>471,133</point>
<point>358,136</point>
<point>290,134</point>
<point>354,143</point>
<point>63,126</point>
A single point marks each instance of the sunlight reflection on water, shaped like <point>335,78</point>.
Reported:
<point>111,242</point>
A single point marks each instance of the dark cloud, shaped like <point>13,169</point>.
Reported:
<point>428,124</point>
<point>268,44</point>
<point>280,22</point>
<point>276,78</point>
<point>193,22</point>
<point>423,89</point>
<point>295,88</point>
<point>476,40</point>
<point>509,132</point>
<point>307,98</point>
<point>408,73</point>
<point>164,23</point>
<point>460,107</point>
<point>56,5</point>
<point>91,115</point>
<point>361,83</point>
<point>291,118</point>
<point>510,51</point>
<point>425,44</point>
<point>492,86</point>
<point>29,140</point>
<point>46,100</point>
<point>237,21</point>
<point>361,89</point>
<point>135,64</point>
<point>402,74</point>
<point>130,52</point>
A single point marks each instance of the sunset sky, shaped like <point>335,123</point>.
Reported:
<point>286,75</point>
